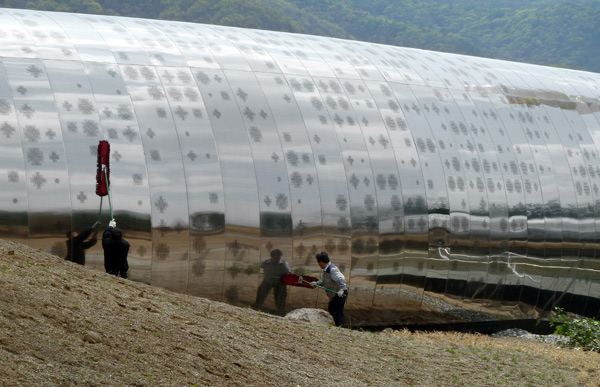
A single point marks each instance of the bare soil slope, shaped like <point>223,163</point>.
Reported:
<point>64,325</point>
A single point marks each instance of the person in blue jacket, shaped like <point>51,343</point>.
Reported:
<point>115,250</point>
<point>332,279</point>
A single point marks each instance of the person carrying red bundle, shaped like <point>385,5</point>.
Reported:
<point>334,282</point>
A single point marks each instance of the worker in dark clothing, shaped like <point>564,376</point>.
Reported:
<point>77,244</point>
<point>273,270</point>
<point>333,280</point>
<point>115,250</point>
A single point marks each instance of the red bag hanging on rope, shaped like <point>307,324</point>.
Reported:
<point>102,178</point>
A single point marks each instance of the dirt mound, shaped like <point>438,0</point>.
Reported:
<point>63,324</point>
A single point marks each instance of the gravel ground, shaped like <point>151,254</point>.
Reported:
<point>551,339</point>
<point>66,325</point>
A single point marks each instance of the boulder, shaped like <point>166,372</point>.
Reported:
<point>92,338</point>
<point>311,315</point>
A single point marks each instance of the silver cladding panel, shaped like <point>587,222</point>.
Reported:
<point>446,188</point>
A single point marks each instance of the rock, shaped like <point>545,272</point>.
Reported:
<point>92,338</point>
<point>312,315</point>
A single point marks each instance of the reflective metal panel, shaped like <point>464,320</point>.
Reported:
<point>587,133</point>
<point>129,180</point>
<point>404,61</point>
<point>14,221</point>
<point>332,177</point>
<point>220,43</point>
<point>203,182</point>
<point>448,192</point>
<point>511,229</point>
<point>278,49</point>
<point>159,47</point>
<point>366,69</point>
<point>446,188</point>
<point>311,56</point>
<point>470,253</point>
<point>187,44</point>
<point>488,226</point>
<point>373,54</point>
<point>271,173</point>
<point>257,57</point>
<point>87,43</point>
<point>411,203</point>
<point>570,217</point>
<point>153,93</point>
<point>362,198</point>
<point>15,40</point>
<point>548,164</point>
<point>576,227</point>
<point>579,158</point>
<point>125,47</point>
<point>421,65</point>
<point>386,178</point>
<point>81,132</point>
<point>45,161</point>
<point>305,201</point>
<point>242,211</point>
<point>327,60</point>
<point>424,215</point>
<point>50,39</point>
<point>534,225</point>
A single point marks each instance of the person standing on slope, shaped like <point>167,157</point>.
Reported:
<point>115,250</point>
<point>333,280</point>
<point>77,244</point>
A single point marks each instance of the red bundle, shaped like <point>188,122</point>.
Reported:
<point>103,179</point>
<point>296,280</point>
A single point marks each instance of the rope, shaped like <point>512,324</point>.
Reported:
<point>100,210</point>
<point>101,197</point>
<point>303,280</point>
<point>108,189</point>
<point>322,287</point>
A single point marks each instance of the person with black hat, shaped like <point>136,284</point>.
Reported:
<point>115,250</point>
<point>77,244</point>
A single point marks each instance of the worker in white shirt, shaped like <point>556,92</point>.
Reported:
<point>333,280</point>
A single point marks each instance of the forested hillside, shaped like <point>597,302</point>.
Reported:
<point>551,32</point>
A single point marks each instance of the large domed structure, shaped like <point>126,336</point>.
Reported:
<point>446,188</point>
